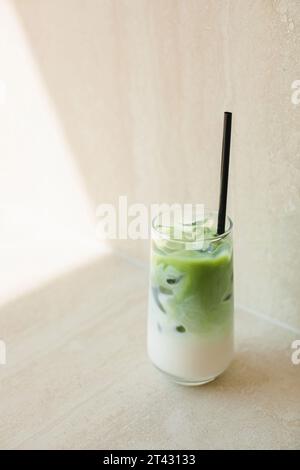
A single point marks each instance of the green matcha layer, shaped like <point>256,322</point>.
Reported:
<point>194,288</point>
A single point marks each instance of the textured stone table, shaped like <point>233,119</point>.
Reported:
<point>77,374</point>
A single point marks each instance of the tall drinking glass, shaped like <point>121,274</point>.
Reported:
<point>190,318</point>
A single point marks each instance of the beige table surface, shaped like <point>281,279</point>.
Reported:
<point>77,374</point>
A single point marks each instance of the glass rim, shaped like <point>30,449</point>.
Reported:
<point>216,237</point>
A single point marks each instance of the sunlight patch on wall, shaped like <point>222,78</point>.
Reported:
<point>47,223</point>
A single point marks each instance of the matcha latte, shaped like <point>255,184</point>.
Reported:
<point>190,320</point>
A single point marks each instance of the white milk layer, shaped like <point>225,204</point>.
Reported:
<point>188,357</point>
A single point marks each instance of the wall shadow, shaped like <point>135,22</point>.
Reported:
<point>113,72</point>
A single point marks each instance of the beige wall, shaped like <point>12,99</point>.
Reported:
<point>139,88</point>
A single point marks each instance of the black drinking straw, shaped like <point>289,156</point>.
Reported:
<point>224,172</point>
